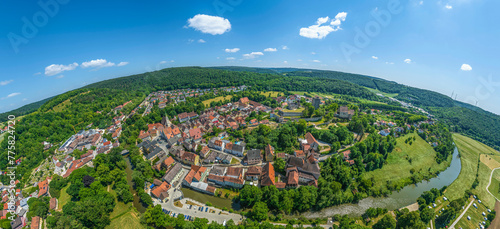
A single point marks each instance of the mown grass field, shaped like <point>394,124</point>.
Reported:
<point>495,184</point>
<point>475,215</point>
<point>217,99</point>
<point>273,93</point>
<point>469,156</point>
<point>392,95</point>
<point>64,198</point>
<point>398,166</point>
<point>123,215</point>
<point>473,153</point>
<point>129,220</point>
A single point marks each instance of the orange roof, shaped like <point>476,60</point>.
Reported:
<point>169,161</point>
<point>160,189</point>
<point>268,175</point>
<point>43,188</point>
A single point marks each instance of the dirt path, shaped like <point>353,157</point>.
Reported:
<point>489,183</point>
<point>463,213</point>
<point>495,224</point>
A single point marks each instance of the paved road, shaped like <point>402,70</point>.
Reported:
<point>219,216</point>
<point>463,213</point>
<point>489,183</point>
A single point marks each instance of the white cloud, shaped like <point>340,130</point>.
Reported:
<point>466,67</point>
<point>284,47</point>
<point>421,2</point>
<point>252,55</point>
<point>190,41</point>
<point>339,18</point>
<point>285,62</point>
<point>201,41</point>
<point>230,58</point>
<point>313,53</point>
<point>122,64</point>
<point>232,50</point>
<point>448,6</point>
<point>60,76</point>
<point>54,69</point>
<point>299,60</point>
<point>209,24</point>
<point>38,73</point>
<point>320,31</point>
<point>316,61</point>
<point>389,62</point>
<point>5,82</point>
<point>163,62</point>
<point>408,61</point>
<point>98,63</point>
<point>270,50</point>
<point>375,57</point>
<point>25,99</point>
<point>13,94</point>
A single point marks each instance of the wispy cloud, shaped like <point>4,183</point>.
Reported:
<point>375,57</point>
<point>3,83</point>
<point>448,7</point>
<point>233,50</point>
<point>408,61</point>
<point>252,55</point>
<point>270,50</point>
<point>201,41</point>
<point>55,69</point>
<point>98,63</point>
<point>284,47</point>
<point>122,64</point>
<point>316,61</point>
<point>230,58</point>
<point>11,95</point>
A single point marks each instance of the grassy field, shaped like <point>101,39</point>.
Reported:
<point>123,215</point>
<point>475,215</point>
<point>129,220</point>
<point>217,99</point>
<point>471,153</point>
<point>273,93</point>
<point>398,166</point>
<point>296,110</point>
<point>64,198</point>
<point>495,184</point>
<point>392,95</point>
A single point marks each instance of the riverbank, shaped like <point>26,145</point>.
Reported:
<point>397,199</point>
<point>405,165</point>
<point>477,160</point>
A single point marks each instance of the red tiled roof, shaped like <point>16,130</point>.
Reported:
<point>268,175</point>
<point>43,188</point>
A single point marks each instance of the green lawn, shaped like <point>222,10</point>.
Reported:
<point>470,151</point>
<point>217,99</point>
<point>296,110</point>
<point>64,198</point>
<point>397,169</point>
<point>234,161</point>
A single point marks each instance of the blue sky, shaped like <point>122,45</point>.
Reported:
<point>446,46</point>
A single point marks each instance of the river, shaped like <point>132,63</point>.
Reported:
<point>406,196</point>
<point>137,202</point>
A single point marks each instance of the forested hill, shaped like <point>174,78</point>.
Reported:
<point>24,110</point>
<point>197,77</point>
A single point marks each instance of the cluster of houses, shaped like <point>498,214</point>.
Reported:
<point>19,205</point>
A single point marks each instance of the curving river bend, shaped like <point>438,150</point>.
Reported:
<point>406,196</point>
